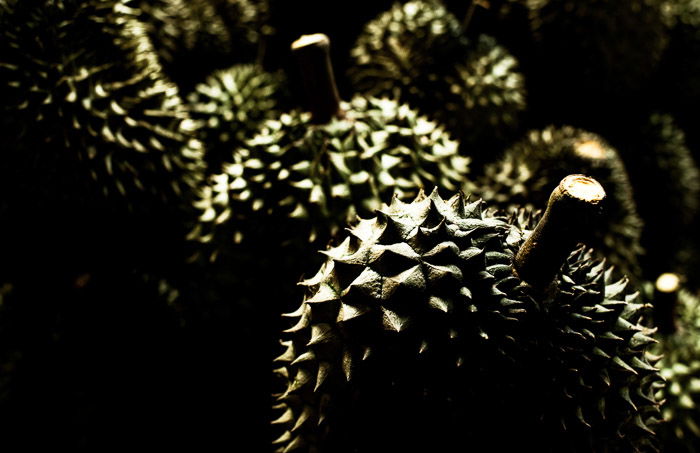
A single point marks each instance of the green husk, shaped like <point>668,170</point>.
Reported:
<point>418,53</point>
<point>531,168</point>
<point>416,333</point>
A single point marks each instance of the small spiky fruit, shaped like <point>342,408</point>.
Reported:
<point>418,53</point>
<point>307,174</point>
<point>531,168</point>
<point>655,150</point>
<point>88,114</point>
<point>679,346</point>
<point>591,51</point>
<point>311,179</point>
<point>230,106</point>
<point>417,331</point>
<point>193,38</point>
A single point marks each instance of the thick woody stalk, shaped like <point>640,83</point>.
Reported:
<point>573,211</point>
<point>313,54</point>
<point>665,300</point>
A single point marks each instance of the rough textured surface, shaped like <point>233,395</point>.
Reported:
<point>308,180</point>
<point>418,53</point>
<point>89,114</point>
<point>416,333</point>
<point>680,366</point>
<point>195,37</point>
<point>99,168</point>
<point>95,141</point>
<point>532,167</point>
<point>230,107</point>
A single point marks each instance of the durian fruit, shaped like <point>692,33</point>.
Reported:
<point>533,166</point>
<point>435,325</point>
<point>677,315</point>
<point>418,53</point>
<point>195,37</point>
<point>230,105</point>
<point>654,148</point>
<point>94,137</point>
<point>297,182</point>
<point>600,52</point>
<point>305,174</point>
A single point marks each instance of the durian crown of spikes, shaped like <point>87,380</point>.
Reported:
<point>458,210</point>
<point>453,209</point>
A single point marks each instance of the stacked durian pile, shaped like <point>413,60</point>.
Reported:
<point>297,226</point>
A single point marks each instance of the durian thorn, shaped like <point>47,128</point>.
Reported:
<point>573,210</point>
<point>666,291</point>
<point>313,55</point>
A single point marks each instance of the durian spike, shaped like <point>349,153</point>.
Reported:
<point>573,210</point>
<point>313,54</point>
<point>666,291</point>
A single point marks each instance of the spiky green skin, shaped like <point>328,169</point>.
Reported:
<point>176,26</point>
<point>304,181</point>
<point>90,115</point>
<point>96,141</point>
<point>193,38</point>
<point>680,366</point>
<point>416,332</point>
<point>231,105</point>
<point>418,53</point>
<point>590,51</point>
<point>530,169</point>
<point>664,173</point>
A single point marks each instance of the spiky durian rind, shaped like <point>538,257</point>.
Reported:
<point>89,114</point>
<point>418,53</point>
<point>420,307</point>
<point>680,366</point>
<point>531,168</point>
<point>308,180</point>
<point>230,106</point>
<point>208,34</point>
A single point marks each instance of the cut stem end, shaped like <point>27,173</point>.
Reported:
<point>573,210</point>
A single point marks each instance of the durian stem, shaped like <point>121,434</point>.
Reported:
<point>313,54</point>
<point>573,210</point>
<point>665,300</point>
